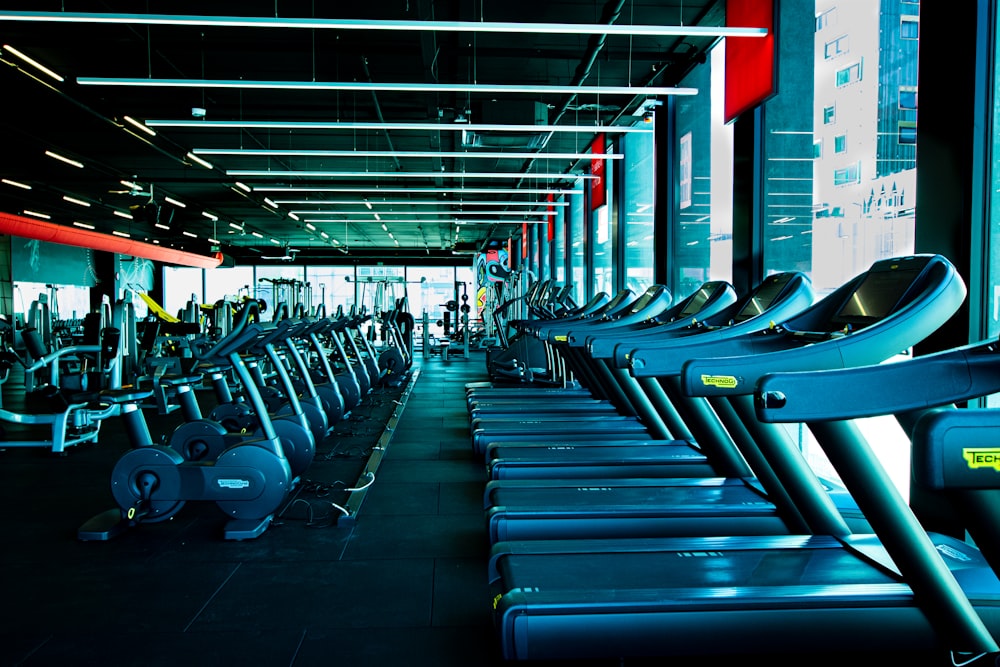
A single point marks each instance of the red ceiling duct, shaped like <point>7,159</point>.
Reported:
<point>16,225</point>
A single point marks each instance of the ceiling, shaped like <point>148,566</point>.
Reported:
<point>314,178</point>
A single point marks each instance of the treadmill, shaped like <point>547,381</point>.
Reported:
<point>783,298</point>
<point>709,300</point>
<point>521,503</point>
<point>827,591</point>
<point>653,301</point>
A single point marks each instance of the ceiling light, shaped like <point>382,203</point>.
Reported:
<point>493,155</point>
<point>257,234</point>
<point>371,87</point>
<point>130,185</point>
<point>161,226</point>
<point>122,234</point>
<point>242,186</point>
<point>123,214</point>
<point>61,158</point>
<point>320,211</point>
<point>275,241</point>
<point>171,200</point>
<point>419,127</point>
<point>324,235</point>
<point>210,216</point>
<point>31,61</point>
<point>83,224</point>
<point>270,203</point>
<point>25,186</point>
<point>211,240</point>
<point>191,234</point>
<point>293,216</point>
<point>368,204</point>
<point>310,226</point>
<point>132,121</point>
<point>238,228</point>
<point>422,190</point>
<point>384,228</point>
<point>404,174</point>
<point>78,202</point>
<point>377,217</point>
<point>195,158</point>
<point>418,202</point>
<point>43,216</point>
<point>403,25</point>
<point>334,241</point>
<point>429,221</point>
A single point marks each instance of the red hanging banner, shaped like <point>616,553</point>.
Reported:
<point>750,71</point>
<point>597,188</point>
<point>524,240</point>
<point>552,216</point>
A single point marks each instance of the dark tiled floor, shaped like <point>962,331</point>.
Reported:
<point>406,584</point>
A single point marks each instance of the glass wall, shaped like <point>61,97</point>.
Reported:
<point>576,239</point>
<point>638,187</point>
<point>840,141</point>
<point>703,233</point>
<point>602,237</point>
<point>839,154</point>
<point>559,242</point>
<point>331,285</point>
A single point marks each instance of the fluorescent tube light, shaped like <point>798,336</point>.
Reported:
<point>25,186</point>
<point>368,87</point>
<point>405,174</point>
<point>648,30</point>
<point>421,190</point>
<point>195,158</point>
<point>123,214</point>
<point>494,155</point>
<point>122,234</point>
<point>43,216</point>
<point>191,234</point>
<point>210,216</point>
<point>132,121</point>
<point>62,158</point>
<point>31,61</point>
<point>419,202</point>
<point>419,127</point>
<point>171,200</point>
<point>242,186</point>
<point>78,202</point>
<point>83,224</point>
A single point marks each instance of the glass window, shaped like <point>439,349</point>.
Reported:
<point>602,237</point>
<point>544,253</point>
<point>909,27</point>
<point>832,214</point>
<point>331,285</point>
<point>559,242</point>
<point>638,187</point>
<point>850,74</point>
<point>577,246</point>
<point>704,230</point>
<point>230,284</point>
<point>181,285</point>
<point>280,287</point>
<point>835,47</point>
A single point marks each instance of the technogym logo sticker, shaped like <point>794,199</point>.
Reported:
<point>982,457</point>
<point>720,381</point>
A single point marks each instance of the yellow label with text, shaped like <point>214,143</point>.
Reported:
<point>721,381</point>
<point>982,457</point>
<point>561,339</point>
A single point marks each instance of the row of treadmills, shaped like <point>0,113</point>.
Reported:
<point>647,499</point>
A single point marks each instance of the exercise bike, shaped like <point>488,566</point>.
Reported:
<point>151,483</point>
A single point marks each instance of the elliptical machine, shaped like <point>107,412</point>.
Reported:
<point>151,483</point>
